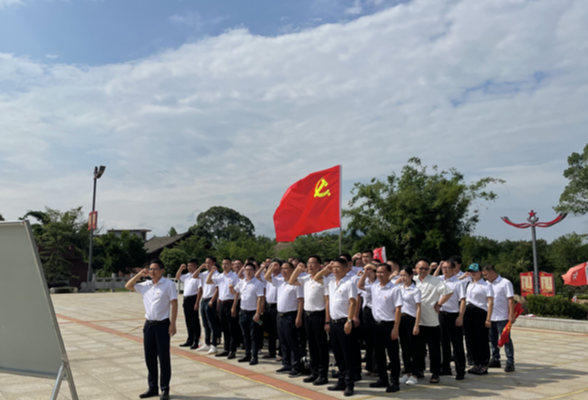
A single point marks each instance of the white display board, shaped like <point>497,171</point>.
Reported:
<point>31,342</point>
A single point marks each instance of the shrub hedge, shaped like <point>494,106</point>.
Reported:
<point>558,307</point>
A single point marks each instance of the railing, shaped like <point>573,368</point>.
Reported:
<point>114,282</point>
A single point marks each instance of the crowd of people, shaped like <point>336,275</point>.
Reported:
<point>399,316</point>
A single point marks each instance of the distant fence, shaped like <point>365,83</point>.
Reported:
<point>114,282</point>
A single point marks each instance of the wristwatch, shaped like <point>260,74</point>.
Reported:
<point>349,320</point>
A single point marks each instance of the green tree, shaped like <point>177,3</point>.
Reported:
<point>196,247</point>
<point>118,253</point>
<point>172,232</point>
<point>325,245</point>
<point>1,217</point>
<point>172,259</point>
<point>59,235</point>
<point>418,213</point>
<point>258,247</point>
<point>574,198</point>
<point>222,223</point>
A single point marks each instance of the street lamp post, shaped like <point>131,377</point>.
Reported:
<point>98,171</point>
<point>533,222</point>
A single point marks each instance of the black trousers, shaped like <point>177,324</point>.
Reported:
<point>156,343</point>
<point>229,326</point>
<point>383,343</point>
<point>289,343</point>
<point>452,337</point>
<point>344,348</point>
<point>192,319</point>
<point>429,337</point>
<point>477,333</point>
<point>409,344</point>
<point>250,331</point>
<point>318,346</point>
<point>368,335</point>
<point>210,322</point>
<point>271,327</point>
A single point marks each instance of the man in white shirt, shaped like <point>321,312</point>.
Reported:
<point>451,319</point>
<point>271,308</point>
<point>251,293</point>
<point>434,293</point>
<point>386,305</point>
<point>228,319</point>
<point>208,306</point>
<point>341,310</point>
<point>290,308</point>
<point>159,294</point>
<point>502,313</point>
<point>192,295</point>
<point>314,319</point>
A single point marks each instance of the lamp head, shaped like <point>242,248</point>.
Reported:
<point>99,171</point>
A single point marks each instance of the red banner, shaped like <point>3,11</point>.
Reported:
<point>546,284</point>
<point>311,205</point>
<point>527,284</point>
<point>92,220</point>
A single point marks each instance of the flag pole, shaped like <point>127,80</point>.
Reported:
<point>340,205</point>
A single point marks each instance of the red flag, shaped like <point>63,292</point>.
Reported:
<point>577,276</point>
<point>380,254</point>
<point>505,336</point>
<point>311,205</point>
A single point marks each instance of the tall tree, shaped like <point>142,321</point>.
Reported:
<point>59,235</point>
<point>172,232</point>
<point>118,253</point>
<point>1,217</point>
<point>222,223</point>
<point>418,213</point>
<point>574,198</point>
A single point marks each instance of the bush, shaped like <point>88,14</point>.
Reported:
<point>557,306</point>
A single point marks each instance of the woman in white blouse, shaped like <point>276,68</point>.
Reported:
<point>480,302</point>
<point>409,326</point>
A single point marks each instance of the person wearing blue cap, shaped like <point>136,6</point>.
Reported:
<point>479,306</point>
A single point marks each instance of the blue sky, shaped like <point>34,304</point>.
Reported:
<point>195,104</point>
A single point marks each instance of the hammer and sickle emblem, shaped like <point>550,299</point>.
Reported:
<point>320,185</point>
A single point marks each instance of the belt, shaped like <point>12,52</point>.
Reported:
<point>226,301</point>
<point>448,313</point>
<point>285,314</point>
<point>272,305</point>
<point>155,322</point>
<point>406,315</point>
<point>248,311</point>
<point>383,322</point>
<point>313,313</point>
<point>338,321</point>
<point>189,297</point>
<point>208,299</point>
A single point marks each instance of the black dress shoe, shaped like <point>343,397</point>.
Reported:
<point>231,355</point>
<point>186,344</point>
<point>149,393</point>
<point>310,379</point>
<point>348,391</point>
<point>164,395</point>
<point>378,384</point>
<point>460,376</point>
<point>283,370</point>
<point>294,374</point>
<point>223,354</point>
<point>494,363</point>
<point>194,346</point>
<point>320,381</point>
<point>244,359</point>
<point>254,361</point>
<point>338,386</point>
<point>393,388</point>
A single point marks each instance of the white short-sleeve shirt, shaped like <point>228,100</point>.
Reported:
<point>477,293</point>
<point>411,296</point>
<point>157,298</point>
<point>207,290</point>
<point>249,291</point>
<point>503,291</point>
<point>271,291</point>
<point>223,281</point>
<point>431,289</point>
<point>340,295</point>
<point>367,293</point>
<point>314,293</point>
<point>288,295</point>
<point>191,285</point>
<point>385,299</point>
<point>457,287</point>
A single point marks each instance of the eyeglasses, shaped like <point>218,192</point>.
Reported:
<point>154,269</point>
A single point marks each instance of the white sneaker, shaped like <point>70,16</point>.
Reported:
<point>412,381</point>
<point>204,347</point>
<point>404,378</point>
<point>212,350</point>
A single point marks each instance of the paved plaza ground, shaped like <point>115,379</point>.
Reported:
<point>103,337</point>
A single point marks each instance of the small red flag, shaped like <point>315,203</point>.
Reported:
<point>505,336</point>
<point>577,276</point>
<point>311,205</point>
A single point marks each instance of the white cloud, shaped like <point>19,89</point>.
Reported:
<point>6,3</point>
<point>355,9</point>
<point>51,56</point>
<point>491,88</point>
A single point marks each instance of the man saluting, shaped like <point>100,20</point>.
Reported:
<point>158,295</point>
